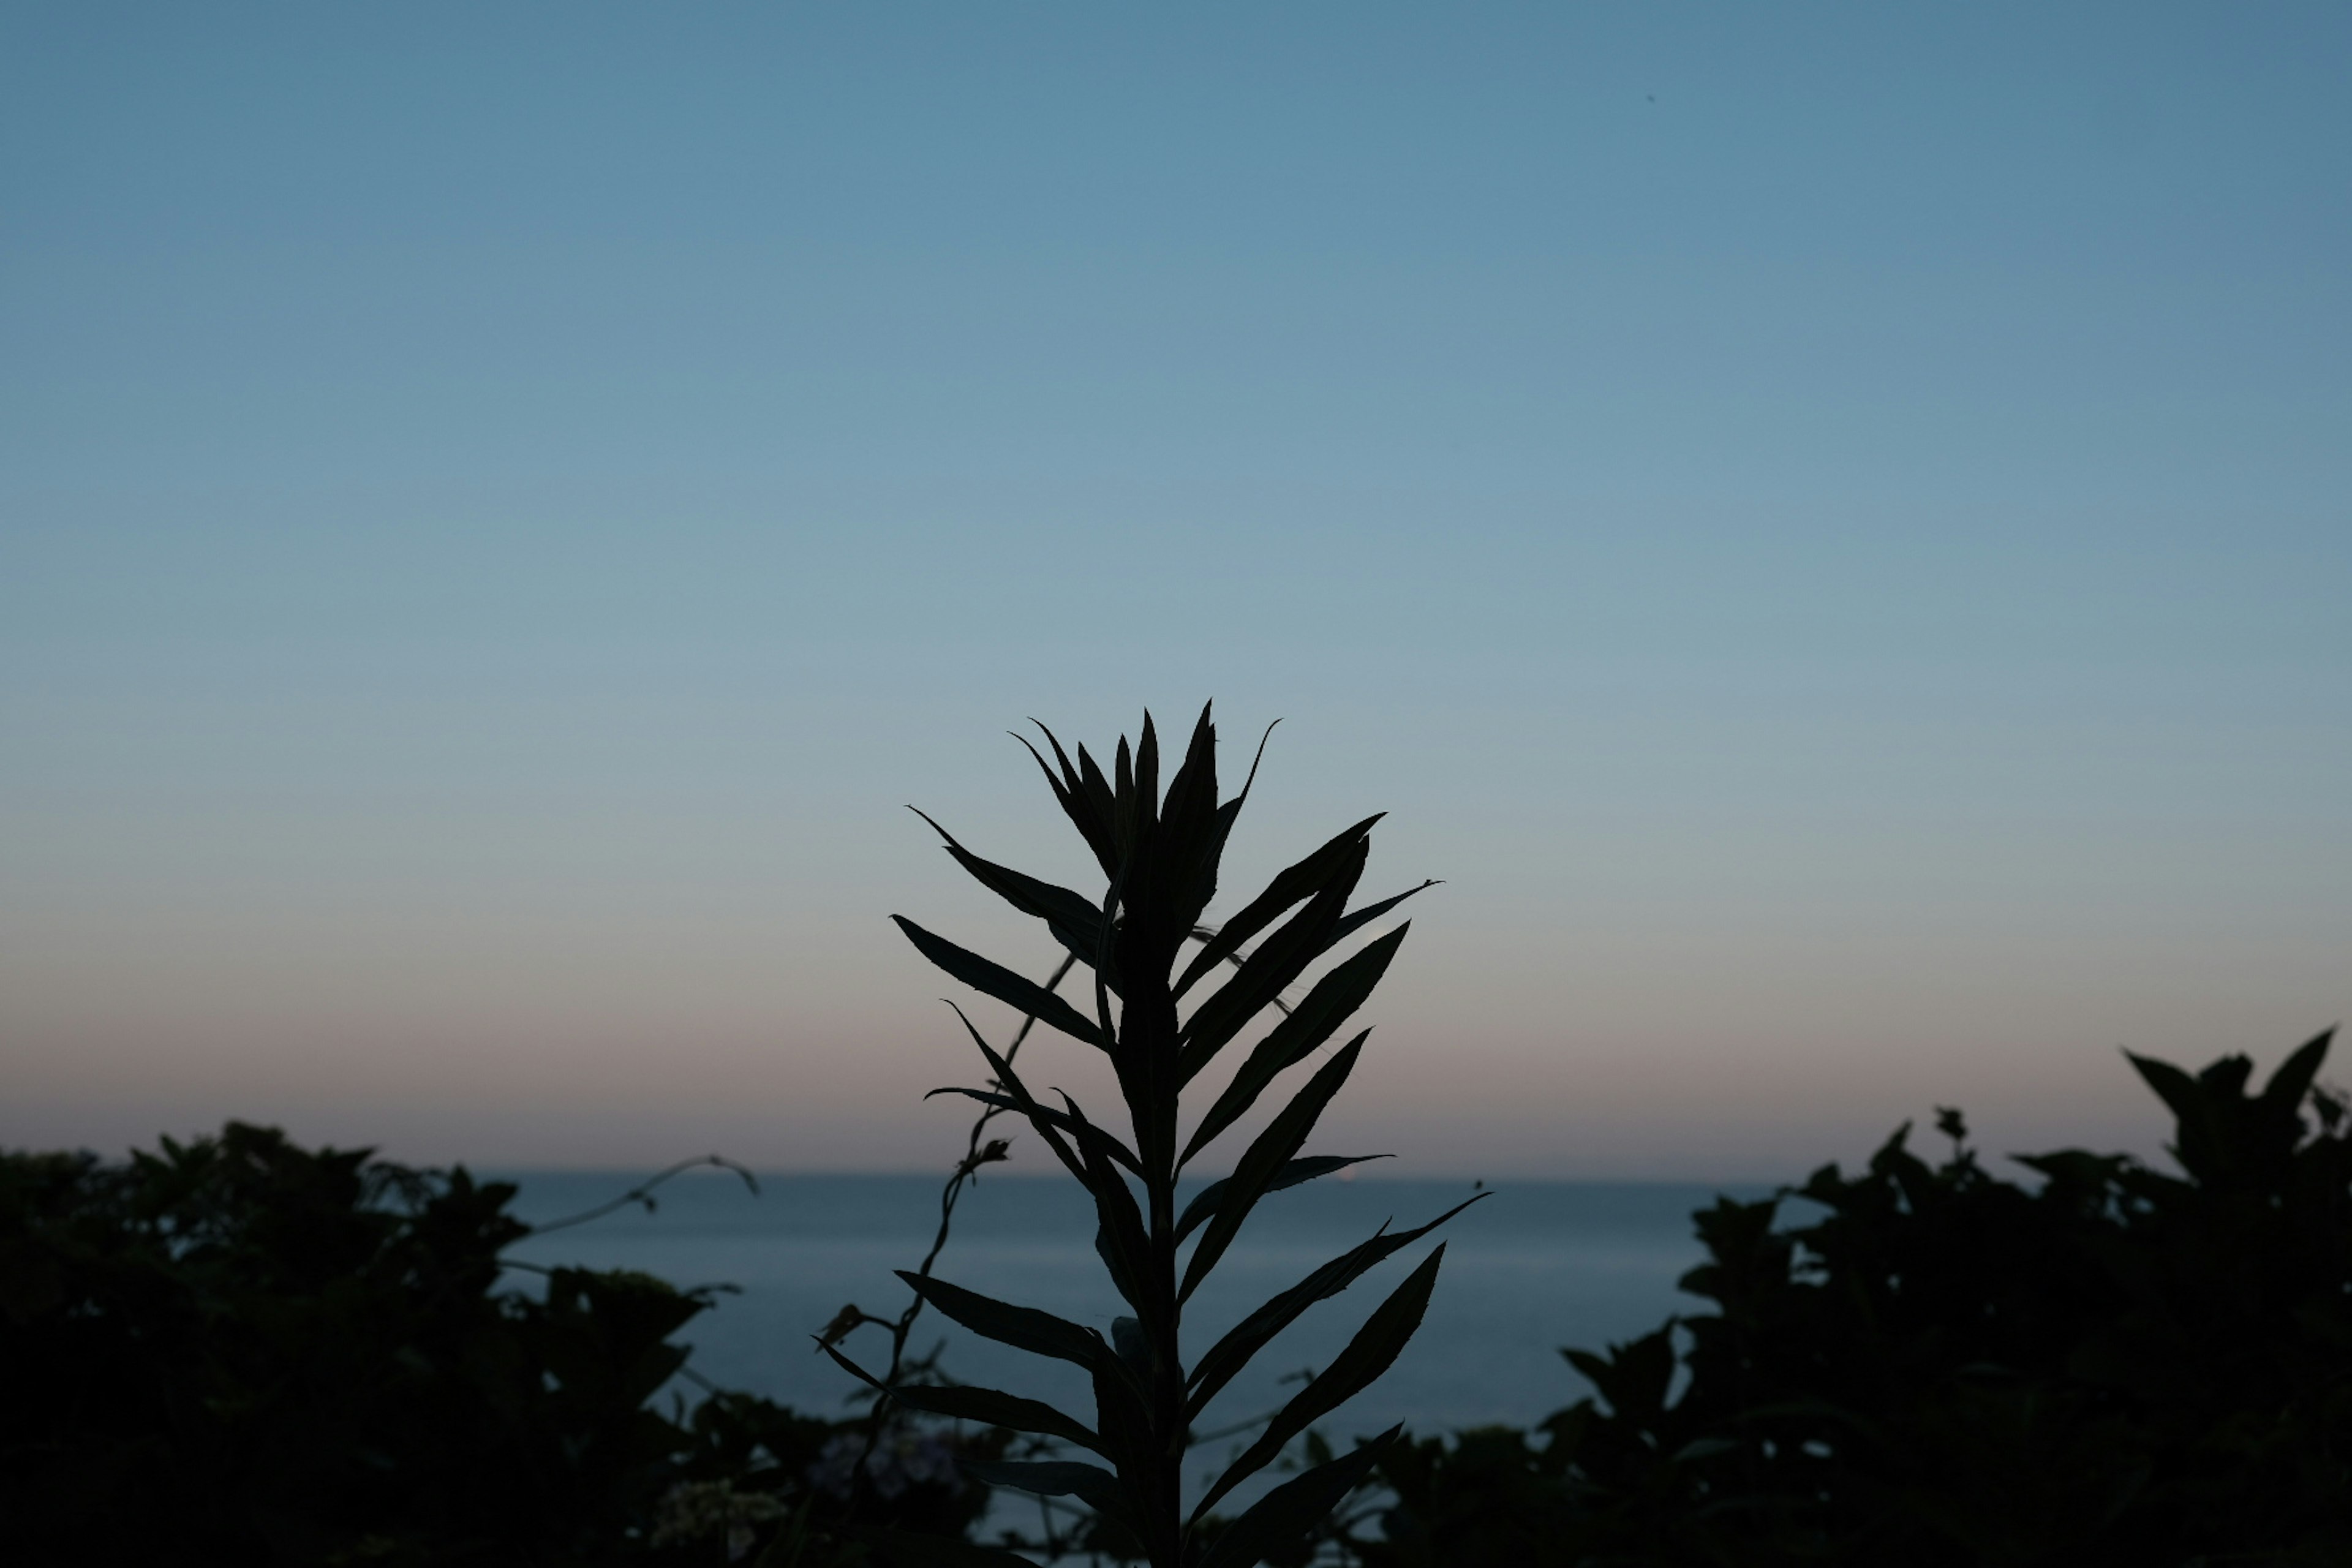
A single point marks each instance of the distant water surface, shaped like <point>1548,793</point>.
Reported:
<point>1532,1267</point>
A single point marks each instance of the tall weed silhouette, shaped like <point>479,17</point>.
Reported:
<point>1161,1023</point>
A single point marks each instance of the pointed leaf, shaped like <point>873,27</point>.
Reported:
<point>1092,1139</point>
<point>1230,1354</point>
<point>1263,977</point>
<point>1221,831</point>
<point>1045,1121</point>
<point>1048,1121</point>
<point>1041,1117</point>
<point>1023,1328</point>
<point>2292,1081</point>
<point>1368,1356</point>
<point>1357,920</point>
<point>1265,1155</point>
<point>1193,833</point>
<point>1119,1236</point>
<point>1059,906</point>
<point>1015,990</point>
<point>1038,1333</point>
<point>1124,815</point>
<point>1147,772</point>
<point>987,1405</point>
<point>1098,789</point>
<point>1091,1484</point>
<point>2175,1088</point>
<point>1274,1524</point>
<point>1087,806</point>
<point>1289,886</point>
<point>1204,1203</point>
<point>1331,1002</point>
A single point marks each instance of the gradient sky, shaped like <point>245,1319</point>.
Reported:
<point>1830,528</point>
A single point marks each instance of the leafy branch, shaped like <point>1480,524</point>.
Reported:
<point>1160,855</point>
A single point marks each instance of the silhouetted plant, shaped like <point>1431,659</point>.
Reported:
<point>1159,856</point>
<point>2120,1366</point>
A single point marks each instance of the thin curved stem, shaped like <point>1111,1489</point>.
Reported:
<point>643,1192</point>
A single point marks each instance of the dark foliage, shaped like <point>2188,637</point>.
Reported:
<point>238,1351</point>
<point>2114,1365</point>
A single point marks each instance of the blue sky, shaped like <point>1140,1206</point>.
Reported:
<point>1830,527</point>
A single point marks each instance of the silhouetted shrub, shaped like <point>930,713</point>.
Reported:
<point>238,1351</point>
<point>2116,1367</point>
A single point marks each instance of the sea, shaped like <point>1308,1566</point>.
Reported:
<point>1529,1268</point>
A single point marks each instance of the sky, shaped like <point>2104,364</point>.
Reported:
<point>1830,528</point>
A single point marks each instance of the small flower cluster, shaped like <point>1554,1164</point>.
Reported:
<point>694,1510</point>
<point>902,1458</point>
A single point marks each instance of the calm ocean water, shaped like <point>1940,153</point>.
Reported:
<point>1533,1267</point>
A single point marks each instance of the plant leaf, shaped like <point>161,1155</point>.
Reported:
<point>1119,1236</point>
<point>1204,1203</point>
<point>1058,907</point>
<point>988,1406</point>
<point>1023,1328</point>
<point>1122,794</point>
<point>2284,1094</point>
<point>1045,1120</point>
<point>1087,805</point>
<point>1147,772</point>
<point>1368,1356</point>
<point>1327,1005</point>
<point>1093,1140</point>
<point>1265,1155</point>
<point>1289,886</point>
<point>1227,813</point>
<point>1015,990</point>
<point>1273,1524</point>
<point>1098,791</point>
<point>1091,1484</point>
<point>1232,1353</point>
<point>1332,1001</point>
<point>1038,1333</point>
<point>1357,920</point>
<point>1192,839</point>
<point>2176,1088</point>
<point>1279,960</point>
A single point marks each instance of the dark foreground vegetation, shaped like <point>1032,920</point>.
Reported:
<point>239,1351</point>
<point>2107,1365</point>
